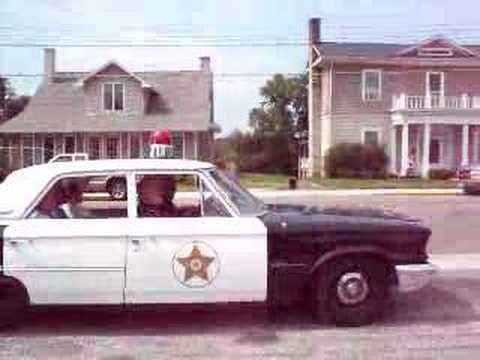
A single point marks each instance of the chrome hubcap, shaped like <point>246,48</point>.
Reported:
<point>118,190</point>
<point>352,288</point>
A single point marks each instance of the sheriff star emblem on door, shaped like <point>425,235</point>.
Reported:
<point>196,264</point>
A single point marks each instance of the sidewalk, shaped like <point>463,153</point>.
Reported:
<point>352,192</point>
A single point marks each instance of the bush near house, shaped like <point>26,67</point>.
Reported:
<point>3,174</point>
<point>441,174</point>
<point>356,160</point>
<point>472,188</point>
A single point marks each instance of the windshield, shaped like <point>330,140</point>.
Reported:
<point>246,203</point>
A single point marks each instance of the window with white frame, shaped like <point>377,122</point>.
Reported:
<point>69,144</point>
<point>134,146</point>
<point>94,148</point>
<point>177,142</point>
<point>48,148</point>
<point>112,148</point>
<point>27,150</point>
<point>4,150</point>
<point>371,137</point>
<point>371,85</point>
<point>113,96</point>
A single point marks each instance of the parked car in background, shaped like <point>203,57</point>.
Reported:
<point>115,186</point>
<point>69,157</point>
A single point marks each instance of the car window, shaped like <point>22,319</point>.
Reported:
<point>211,204</point>
<point>163,195</point>
<point>80,198</point>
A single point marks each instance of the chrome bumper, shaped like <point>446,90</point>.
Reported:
<point>412,277</point>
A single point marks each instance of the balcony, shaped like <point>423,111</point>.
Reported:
<point>434,103</point>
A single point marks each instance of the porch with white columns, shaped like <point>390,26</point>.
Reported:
<point>424,144</point>
<point>426,150</point>
<point>465,146</point>
<point>404,152</point>
<point>393,150</point>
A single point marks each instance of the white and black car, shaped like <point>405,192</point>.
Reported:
<point>230,248</point>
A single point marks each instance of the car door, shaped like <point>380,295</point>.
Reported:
<point>212,257</point>
<point>69,261</point>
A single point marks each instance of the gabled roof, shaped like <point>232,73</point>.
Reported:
<point>106,69</point>
<point>437,42</point>
<point>399,54</point>
<point>177,100</point>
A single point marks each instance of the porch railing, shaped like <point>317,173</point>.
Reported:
<point>414,102</point>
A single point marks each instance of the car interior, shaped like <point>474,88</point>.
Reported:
<point>163,195</point>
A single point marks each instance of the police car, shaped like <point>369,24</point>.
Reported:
<point>228,247</point>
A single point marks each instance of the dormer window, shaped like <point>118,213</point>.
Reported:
<point>435,52</point>
<point>113,96</point>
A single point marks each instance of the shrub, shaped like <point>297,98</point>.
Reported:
<point>472,188</point>
<point>441,174</point>
<point>356,160</point>
<point>3,174</point>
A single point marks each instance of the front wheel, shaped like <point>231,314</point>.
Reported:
<point>351,292</point>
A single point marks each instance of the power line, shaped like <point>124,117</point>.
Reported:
<point>217,75</point>
<point>150,45</point>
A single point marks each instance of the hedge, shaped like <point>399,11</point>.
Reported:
<point>356,160</point>
<point>441,174</point>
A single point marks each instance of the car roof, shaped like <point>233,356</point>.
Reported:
<point>22,186</point>
<point>118,165</point>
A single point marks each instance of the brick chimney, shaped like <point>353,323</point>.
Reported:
<point>48,65</point>
<point>205,63</point>
<point>314,31</point>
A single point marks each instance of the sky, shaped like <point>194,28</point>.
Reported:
<point>239,70</point>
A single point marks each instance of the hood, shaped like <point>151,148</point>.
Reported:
<point>358,212</point>
<point>325,228</point>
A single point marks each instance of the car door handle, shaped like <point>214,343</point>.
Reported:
<point>135,244</point>
<point>16,242</point>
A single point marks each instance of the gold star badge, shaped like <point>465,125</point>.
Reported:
<point>196,264</point>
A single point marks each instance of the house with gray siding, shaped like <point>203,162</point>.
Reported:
<point>110,113</point>
<point>421,102</point>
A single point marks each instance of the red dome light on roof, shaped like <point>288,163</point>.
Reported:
<point>161,144</point>
<point>161,137</point>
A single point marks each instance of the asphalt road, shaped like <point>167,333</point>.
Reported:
<point>454,220</point>
<point>439,322</point>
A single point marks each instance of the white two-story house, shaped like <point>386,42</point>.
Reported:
<point>420,101</point>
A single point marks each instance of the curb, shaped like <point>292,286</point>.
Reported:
<point>355,192</point>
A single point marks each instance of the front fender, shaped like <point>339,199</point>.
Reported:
<point>357,251</point>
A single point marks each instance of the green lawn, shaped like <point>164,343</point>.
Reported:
<point>280,181</point>
<point>268,181</point>
<point>383,183</point>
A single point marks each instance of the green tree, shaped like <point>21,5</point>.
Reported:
<point>10,103</point>
<point>282,112</point>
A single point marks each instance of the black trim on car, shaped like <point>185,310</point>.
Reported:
<point>2,230</point>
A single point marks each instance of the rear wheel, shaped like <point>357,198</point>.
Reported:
<point>13,304</point>
<point>352,291</point>
<point>117,188</point>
